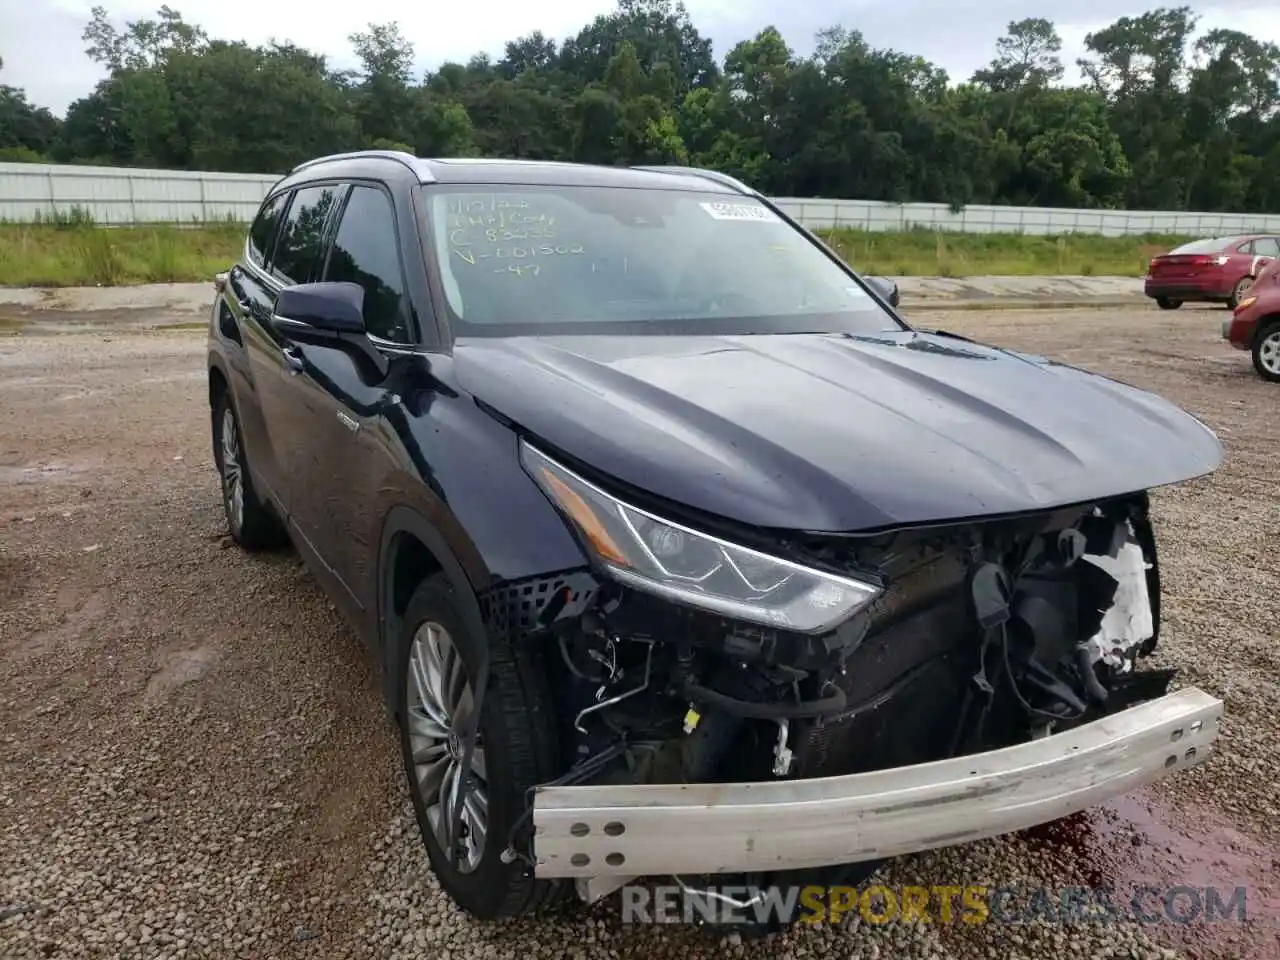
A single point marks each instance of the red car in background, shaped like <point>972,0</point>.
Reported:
<point>1255,324</point>
<point>1213,271</point>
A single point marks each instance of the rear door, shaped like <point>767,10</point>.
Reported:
<point>1265,250</point>
<point>248,295</point>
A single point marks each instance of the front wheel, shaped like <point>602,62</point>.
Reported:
<point>439,659</point>
<point>1266,352</point>
<point>1167,303</point>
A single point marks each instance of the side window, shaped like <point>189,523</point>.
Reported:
<point>1267,247</point>
<point>263,229</point>
<point>365,252</point>
<point>1245,248</point>
<point>301,243</point>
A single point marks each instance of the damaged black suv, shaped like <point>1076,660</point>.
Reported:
<point>680,552</point>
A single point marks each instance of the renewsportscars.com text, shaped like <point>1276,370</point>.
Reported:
<point>971,904</point>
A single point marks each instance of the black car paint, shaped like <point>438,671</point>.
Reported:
<point>812,431</point>
<point>830,432</point>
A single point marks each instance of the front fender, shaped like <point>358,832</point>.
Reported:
<point>458,487</point>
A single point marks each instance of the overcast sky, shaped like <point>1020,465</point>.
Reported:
<point>43,53</point>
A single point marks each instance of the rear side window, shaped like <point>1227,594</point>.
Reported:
<point>263,229</point>
<point>1267,247</point>
<point>365,251</point>
<point>301,244</point>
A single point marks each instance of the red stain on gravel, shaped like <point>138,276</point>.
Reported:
<point>1171,862</point>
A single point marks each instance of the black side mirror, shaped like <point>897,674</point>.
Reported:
<point>328,314</point>
<point>886,288</point>
<point>324,308</point>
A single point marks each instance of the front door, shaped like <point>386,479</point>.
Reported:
<point>349,407</point>
<point>286,397</point>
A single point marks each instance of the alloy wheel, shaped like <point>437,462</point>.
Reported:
<point>440,703</point>
<point>232,478</point>
<point>1269,353</point>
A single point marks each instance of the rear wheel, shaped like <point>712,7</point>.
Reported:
<point>440,657</point>
<point>249,520</point>
<point>1239,292</point>
<point>1266,352</point>
<point>1167,303</point>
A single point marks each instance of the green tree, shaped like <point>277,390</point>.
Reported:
<point>1166,118</point>
<point>1026,56</point>
<point>27,132</point>
<point>142,43</point>
<point>659,31</point>
<point>1140,65</point>
<point>384,104</point>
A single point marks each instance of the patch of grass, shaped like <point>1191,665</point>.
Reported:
<point>928,253</point>
<point>74,253</point>
<point>163,264</point>
<point>71,251</point>
<point>97,251</point>
<point>77,216</point>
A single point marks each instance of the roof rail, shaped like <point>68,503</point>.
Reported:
<point>714,175</point>
<point>399,156</point>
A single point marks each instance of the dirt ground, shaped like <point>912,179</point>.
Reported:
<point>194,760</point>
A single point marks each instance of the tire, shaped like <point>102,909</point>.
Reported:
<point>1165,303</point>
<point>1266,351</point>
<point>251,523</point>
<point>1238,292</point>
<point>518,747</point>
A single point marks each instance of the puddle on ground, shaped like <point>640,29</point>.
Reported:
<point>58,471</point>
<point>55,320</point>
<point>43,473</point>
<point>1135,843</point>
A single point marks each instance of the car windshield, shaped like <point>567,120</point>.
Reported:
<point>571,259</point>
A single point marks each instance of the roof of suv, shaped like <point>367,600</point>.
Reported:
<point>485,170</point>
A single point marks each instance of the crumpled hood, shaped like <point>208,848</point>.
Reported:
<point>834,432</point>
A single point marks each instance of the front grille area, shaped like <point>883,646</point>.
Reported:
<point>904,686</point>
<point>905,681</point>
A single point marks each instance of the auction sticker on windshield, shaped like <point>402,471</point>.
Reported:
<point>740,211</point>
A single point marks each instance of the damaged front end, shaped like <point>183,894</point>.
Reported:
<point>825,702</point>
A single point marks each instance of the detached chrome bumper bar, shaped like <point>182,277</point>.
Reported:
<point>604,835</point>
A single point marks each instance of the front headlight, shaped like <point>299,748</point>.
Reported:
<point>665,558</point>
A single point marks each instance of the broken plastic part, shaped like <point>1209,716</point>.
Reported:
<point>991,593</point>
<point>1129,622</point>
<point>782,753</point>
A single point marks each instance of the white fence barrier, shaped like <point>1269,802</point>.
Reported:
<point>121,195</point>
<point>876,215</point>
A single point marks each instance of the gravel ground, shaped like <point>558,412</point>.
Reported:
<point>196,763</point>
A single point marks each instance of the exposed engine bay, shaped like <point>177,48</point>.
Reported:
<point>986,634</point>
